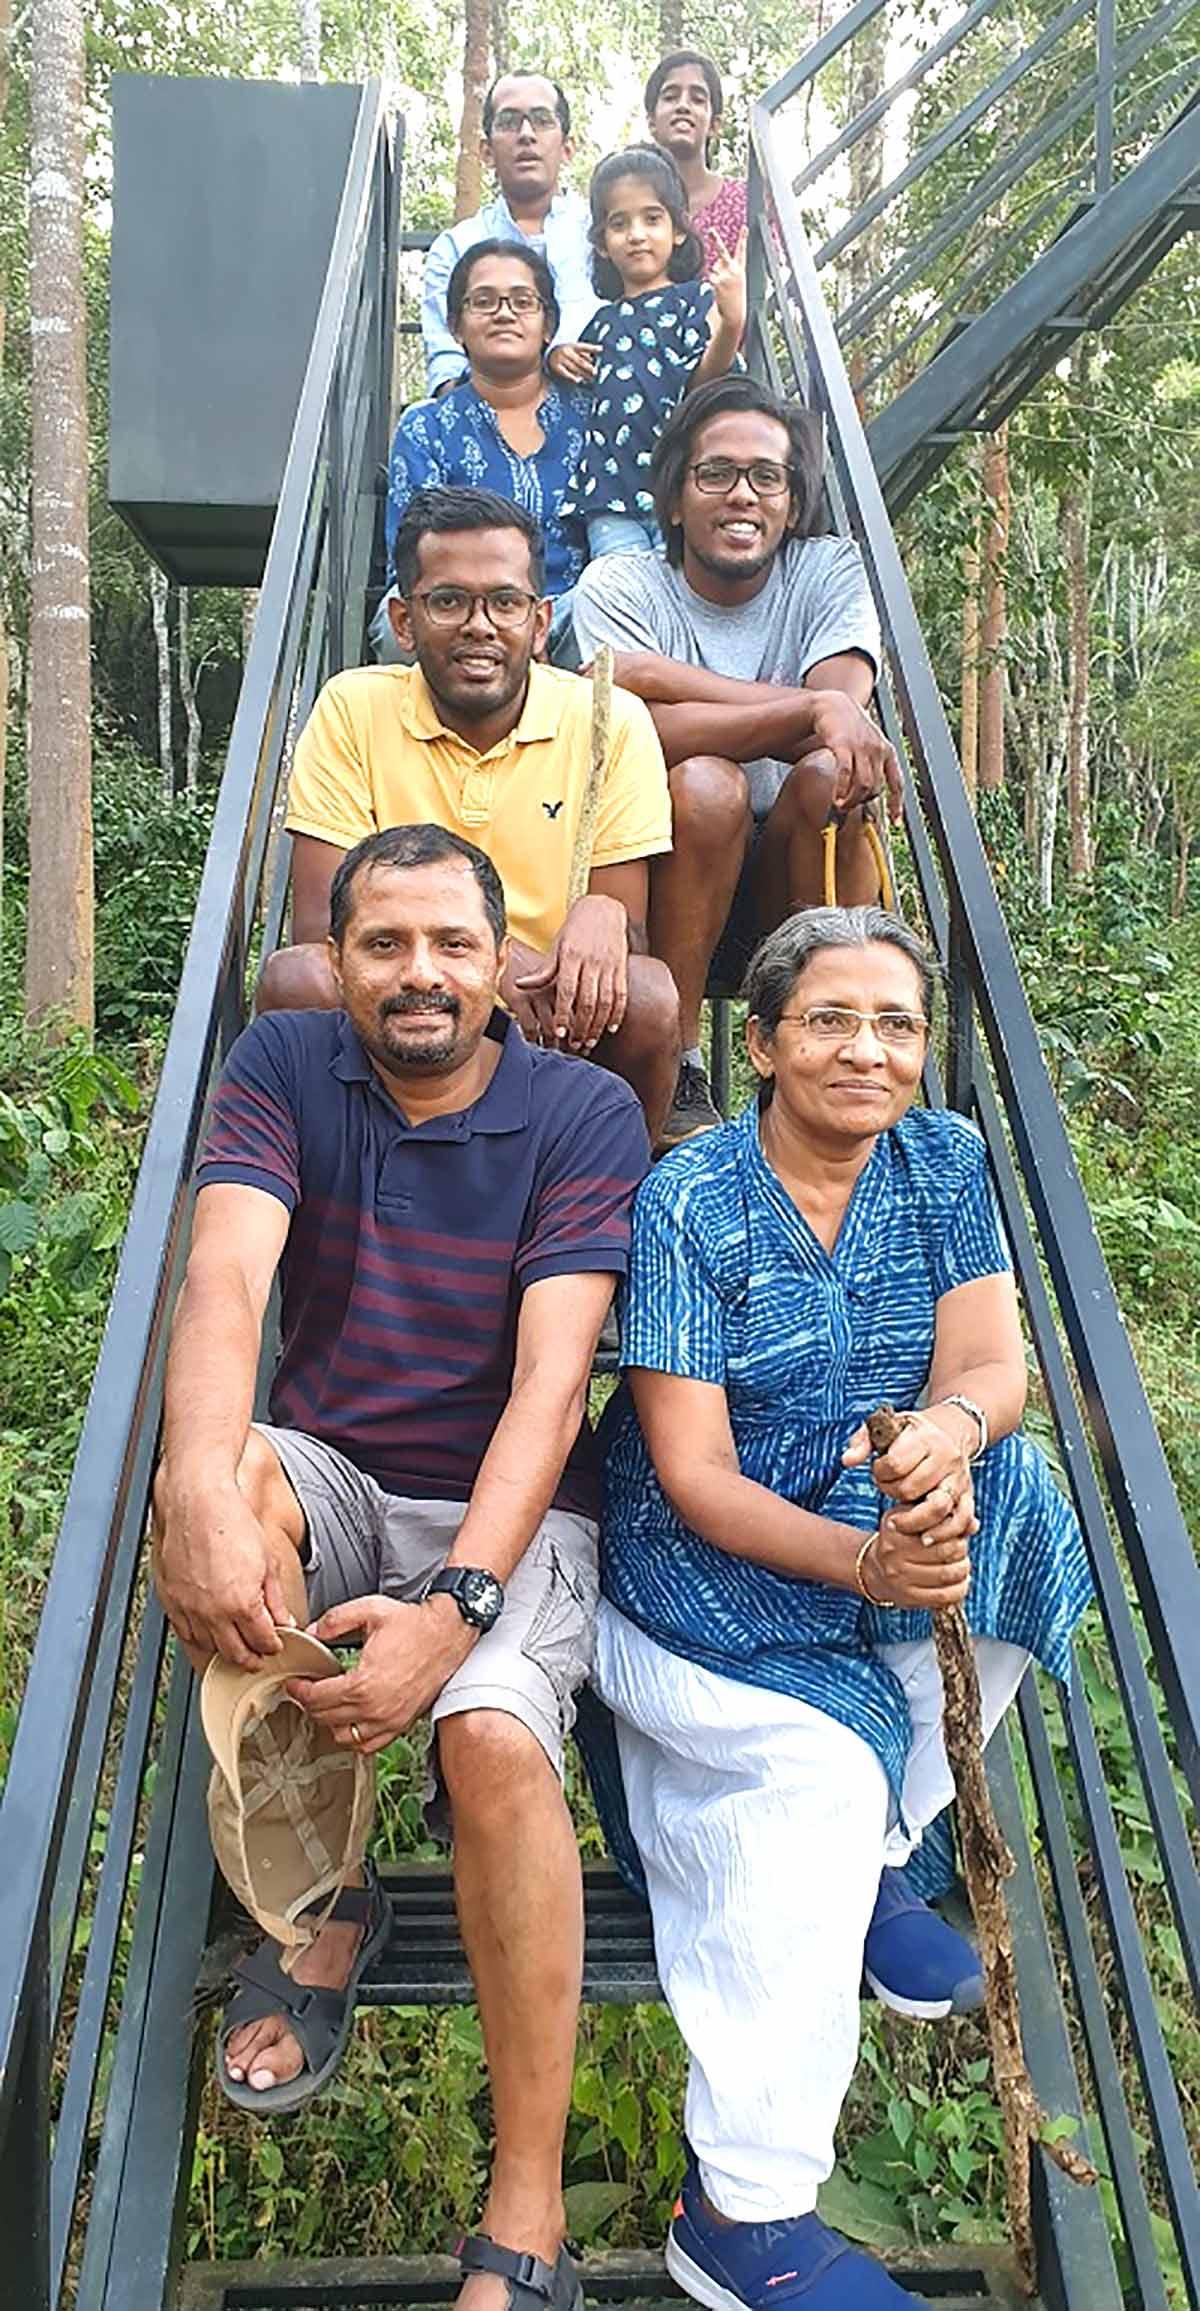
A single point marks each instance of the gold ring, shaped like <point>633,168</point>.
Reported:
<point>356,1737</point>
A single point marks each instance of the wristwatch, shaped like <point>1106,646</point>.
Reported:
<point>976,1413</point>
<point>478,1595</point>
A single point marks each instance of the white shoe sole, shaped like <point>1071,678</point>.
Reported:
<point>916,2009</point>
<point>700,2285</point>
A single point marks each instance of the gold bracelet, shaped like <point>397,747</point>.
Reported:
<point>884,1604</point>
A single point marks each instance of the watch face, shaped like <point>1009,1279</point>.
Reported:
<point>482,1597</point>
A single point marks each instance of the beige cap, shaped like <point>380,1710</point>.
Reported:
<point>289,1808</point>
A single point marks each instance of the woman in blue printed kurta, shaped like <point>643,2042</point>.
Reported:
<point>761,1644</point>
<point>506,426</point>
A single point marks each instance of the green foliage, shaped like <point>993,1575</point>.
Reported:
<point>61,1206</point>
<point>70,1130</point>
<point>929,2168</point>
<point>149,852</point>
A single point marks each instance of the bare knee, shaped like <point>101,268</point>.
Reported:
<point>651,1022</point>
<point>806,796</point>
<point>710,802</point>
<point>491,1763</point>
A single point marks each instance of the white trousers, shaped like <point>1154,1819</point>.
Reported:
<point>763,1826</point>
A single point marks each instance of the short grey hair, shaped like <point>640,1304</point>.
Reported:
<point>780,958</point>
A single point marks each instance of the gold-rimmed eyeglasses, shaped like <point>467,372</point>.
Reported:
<point>837,1023</point>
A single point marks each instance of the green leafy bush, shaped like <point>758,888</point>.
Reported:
<point>61,1207</point>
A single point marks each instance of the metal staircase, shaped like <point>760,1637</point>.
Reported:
<point>1049,176</point>
<point>106,1890</point>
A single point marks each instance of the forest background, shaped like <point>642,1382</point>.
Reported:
<point>1057,573</point>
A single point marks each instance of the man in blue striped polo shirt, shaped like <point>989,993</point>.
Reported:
<point>449,1210</point>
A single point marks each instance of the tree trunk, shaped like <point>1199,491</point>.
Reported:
<point>500,35</point>
<point>187,692</point>
<point>1050,769</point>
<point>670,25</point>
<point>160,592</point>
<point>5,51</point>
<point>1183,842</point>
<point>1074,522</point>
<point>468,181</point>
<point>868,69</point>
<point>59,940</point>
<point>310,39</point>
<point>993,624</point>
<point>970,665</point>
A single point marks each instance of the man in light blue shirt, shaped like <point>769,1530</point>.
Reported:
<point>526,128</point>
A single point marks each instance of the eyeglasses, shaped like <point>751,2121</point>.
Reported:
<point>507,607</point>
<point>490,300</point>
<point>716,476</point>
<point>837,1023</point>
<point>509,121</point>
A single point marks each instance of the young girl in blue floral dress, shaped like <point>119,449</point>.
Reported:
<point>663,331</point>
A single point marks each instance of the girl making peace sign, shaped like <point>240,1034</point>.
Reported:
<point>663,331</point>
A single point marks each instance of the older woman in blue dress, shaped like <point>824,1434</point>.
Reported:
<point>764,1644</point>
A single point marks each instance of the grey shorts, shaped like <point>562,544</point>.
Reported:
<point>364,1542</point>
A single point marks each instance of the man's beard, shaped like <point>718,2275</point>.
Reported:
<point>418,1054</point>
<point>733,569</point>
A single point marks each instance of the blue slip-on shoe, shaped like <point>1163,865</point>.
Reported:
<point>916,1963</point>
<point>755,2266</point>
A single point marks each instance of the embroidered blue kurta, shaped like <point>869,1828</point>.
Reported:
<point>729,1284</point>
<point>456,442</point>
<point>648,349</point>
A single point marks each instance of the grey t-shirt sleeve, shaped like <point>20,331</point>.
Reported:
<point>838,612</point>
<point>617,600</point>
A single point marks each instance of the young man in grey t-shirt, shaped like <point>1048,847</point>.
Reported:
<point>755,647</point>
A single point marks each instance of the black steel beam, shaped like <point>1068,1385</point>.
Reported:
<point>1011,166</point>
<point>1015,331</point>
<point>953,131</point>
<point>871,113</point>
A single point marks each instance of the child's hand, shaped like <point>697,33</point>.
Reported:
<point>575,364</point>
<point>727,278</point>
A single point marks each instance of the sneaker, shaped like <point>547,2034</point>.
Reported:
<point>692,1108</point>
<point>755,2266</point>
<point>916,1963</point>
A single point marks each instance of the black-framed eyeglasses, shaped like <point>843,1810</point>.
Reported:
<point>491,300</point>
<point>838,1023</point>
<point>509,122</point>
<point>507,607</point>
<point>717,476</point>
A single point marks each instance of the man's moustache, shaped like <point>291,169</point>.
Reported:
<point>397,1006</point>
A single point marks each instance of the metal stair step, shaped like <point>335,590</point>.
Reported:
<point>423,1963</point>
<point>948,2278</point>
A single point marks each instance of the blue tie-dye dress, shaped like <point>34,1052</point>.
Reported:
<point>648,349</point>
<point>728,1284</point>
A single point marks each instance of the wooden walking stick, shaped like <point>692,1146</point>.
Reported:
<point>585,832</point>
<point>987,1862</point>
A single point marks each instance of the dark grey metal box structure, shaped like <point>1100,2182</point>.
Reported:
<point>225,197</point>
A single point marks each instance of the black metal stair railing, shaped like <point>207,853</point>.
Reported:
<point>1018,143</point>
<point>1143,1560</point>
<point>106,1882</point>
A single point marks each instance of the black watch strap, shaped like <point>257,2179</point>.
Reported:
<point>477,1593</point>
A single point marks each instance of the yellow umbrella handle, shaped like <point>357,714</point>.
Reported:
<point>829,836</point>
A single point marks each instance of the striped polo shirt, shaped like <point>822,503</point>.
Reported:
<point>410,1245</point>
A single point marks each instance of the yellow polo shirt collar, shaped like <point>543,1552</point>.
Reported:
<point>539,718</point>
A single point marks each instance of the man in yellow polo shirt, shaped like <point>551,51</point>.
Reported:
<point>480,738</point>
